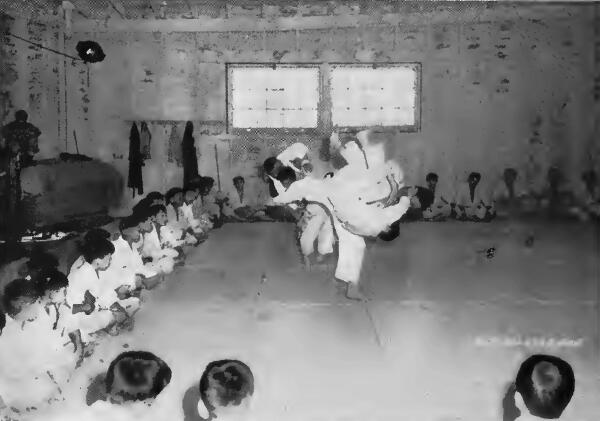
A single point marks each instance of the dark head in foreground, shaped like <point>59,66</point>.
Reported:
<point>18,294</point>
<point>225,383</point>
<point>546,385</point>
<point>391,233</point>
<point>136,376</point>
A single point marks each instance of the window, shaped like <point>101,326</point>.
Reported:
<point>386,95</point>
<point>273,96</point>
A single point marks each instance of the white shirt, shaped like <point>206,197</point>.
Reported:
<point>81,279</point>
<point>27,354</point>
<point>125,264</point>
<point>463,195</point>
<point>152,246</point>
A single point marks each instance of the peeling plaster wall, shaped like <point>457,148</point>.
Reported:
<point>29,78</point>
<point>487,74</point>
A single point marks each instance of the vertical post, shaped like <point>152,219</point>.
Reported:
<point>62,80</point>
<point>218,172</point>
<point>595,151</point>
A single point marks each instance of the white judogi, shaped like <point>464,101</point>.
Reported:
<point>368,179</point>
<point>315,223</point>
<point>188,216</point>
<point>353,220</point>
<point>82,279</point>
<point>126,263</point>
<point>163,259</point>
<point>292,152</point>
<point>171,234</point>
<point>234,201</point>
<point>28,353</point>
<point>442,198</point>
<point>316,226</point>
<point>473,208</point>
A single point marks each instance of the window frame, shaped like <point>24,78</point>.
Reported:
<point>324,105</point>
<point>272,130</point>
<point>408,128</point>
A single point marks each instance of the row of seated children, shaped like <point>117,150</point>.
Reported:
<point>100,295</point>
<point>31,375</point>
<point>508,196</point>
<point>437,203</point>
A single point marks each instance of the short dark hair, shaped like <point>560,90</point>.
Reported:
<point>128,222</point>
<point>52,280</point>
<point>208,181</point>
<point>172,192</point>
<point>40,259</point>
<point>475,175</point>
<point>152,196</point>
<point>96,233</point>
<point>328,175</point>
<point>286,173</point>
<point>144,203</point>
<point>269,164</point>
<point>142,214</point>
<point>14,290</point>
<point>560,396</point>
<point>238,178</point>
<point>392,233</point>
<point>21,115</point>
<point>235,381</point>
<point>510,170</point>
<point>431,177</point>
<point>155,209</point>
<point>194,183</point>
<point>97,248</point>
<point>2,321</point>
<point>126,366</point>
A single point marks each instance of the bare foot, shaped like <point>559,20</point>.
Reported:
<point>353,292</point>
<point>307,264</point>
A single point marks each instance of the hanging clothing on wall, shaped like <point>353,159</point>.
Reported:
<point>174,149</point>
<point>190,159</point>
<point>146,139</point>
<point>136,162</point>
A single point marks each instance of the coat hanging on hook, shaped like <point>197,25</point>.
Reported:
<point>136,162</point>
<point>146,139</point>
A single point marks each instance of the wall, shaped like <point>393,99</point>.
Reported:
<point>488,71</point>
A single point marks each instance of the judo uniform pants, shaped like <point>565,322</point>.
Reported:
<point>351,253</point>
<point>317,226</point>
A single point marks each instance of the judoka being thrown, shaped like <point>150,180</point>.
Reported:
<point>364,199</point>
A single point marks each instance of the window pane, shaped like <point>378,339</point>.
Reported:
<point>364,96</point>
<point>279,98</point>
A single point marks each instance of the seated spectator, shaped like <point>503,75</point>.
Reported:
<point>587,197</point>
<point>473,202</point>
<point>441,207</point>
<point>421,199</point>
<point>159,257</point>
<point>238,205</point>
<point>556,198</point>
<point>36,364</point>
<point>510,195</point>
